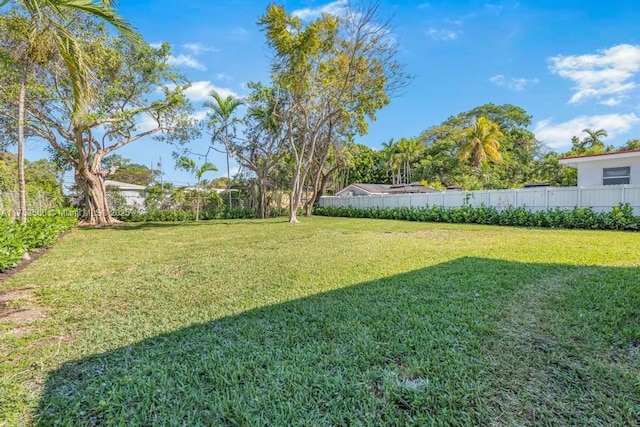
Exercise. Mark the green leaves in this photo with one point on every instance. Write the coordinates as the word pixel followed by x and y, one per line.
pixel 39 231
pixel 621 217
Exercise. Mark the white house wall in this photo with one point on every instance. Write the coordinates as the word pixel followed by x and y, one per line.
pixel 133 198
pixel 590 173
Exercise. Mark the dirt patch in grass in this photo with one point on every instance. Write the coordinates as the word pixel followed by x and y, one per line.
pixel 16 306
pixel 18 332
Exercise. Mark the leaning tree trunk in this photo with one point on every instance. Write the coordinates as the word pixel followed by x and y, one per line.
pixel 95 206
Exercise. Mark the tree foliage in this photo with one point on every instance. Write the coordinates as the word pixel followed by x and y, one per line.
pixel 141 95
pixel 333 74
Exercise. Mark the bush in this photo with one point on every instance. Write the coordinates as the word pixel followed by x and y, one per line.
pixel 621 217
pixel 173 215
pixel 39 231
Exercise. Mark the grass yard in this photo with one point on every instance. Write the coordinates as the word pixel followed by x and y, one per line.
pixel 331 322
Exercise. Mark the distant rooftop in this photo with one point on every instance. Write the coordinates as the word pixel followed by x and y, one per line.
pixel 592 157
pixel 123 185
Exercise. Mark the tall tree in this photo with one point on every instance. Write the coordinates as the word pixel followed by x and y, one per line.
pixel 56 16
pixel 392 160
pixel 23 46
pixel 410 150
pixel 480 142
pixel 34 35
pixel 125 74
pixel 264 144
pixel 222 122
pixel 335 69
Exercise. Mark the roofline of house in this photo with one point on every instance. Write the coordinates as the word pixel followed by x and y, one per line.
pixel 588 157
pixel 361 188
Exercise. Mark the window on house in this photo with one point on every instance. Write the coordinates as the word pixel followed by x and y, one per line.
pixel 615 176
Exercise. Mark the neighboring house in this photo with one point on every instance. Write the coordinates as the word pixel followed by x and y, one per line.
pixel 622 167
pixel 134 195
pixel 378 189
pixel 363 190
pixel 414 187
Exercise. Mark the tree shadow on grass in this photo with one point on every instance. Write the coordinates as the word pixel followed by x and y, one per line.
pixel 471 341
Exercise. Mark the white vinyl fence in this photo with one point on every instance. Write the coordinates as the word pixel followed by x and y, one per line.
pixel 534 199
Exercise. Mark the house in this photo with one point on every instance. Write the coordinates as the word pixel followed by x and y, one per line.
pixel 414 187
pixel 363 190
pixel 379 189
pixel 133 194
pixel 622 167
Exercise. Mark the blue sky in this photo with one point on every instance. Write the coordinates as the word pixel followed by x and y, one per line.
pixel 570 64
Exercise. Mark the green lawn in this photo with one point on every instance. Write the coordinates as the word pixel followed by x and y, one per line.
pixel 330 322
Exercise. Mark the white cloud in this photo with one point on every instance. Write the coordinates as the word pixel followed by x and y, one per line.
pixel 442 34
pixel 187 61
pixel 146 123
pixel 199 48
pixel 605 76
pixel 156 45
pixel 338 7
pixel 199 115
pixel 223 76
pixel 558 136
pixel 199 91
pixel 515 84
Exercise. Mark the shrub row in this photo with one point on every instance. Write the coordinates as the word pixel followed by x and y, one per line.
pixel 621 217
pixel 170 215
pixel 16 239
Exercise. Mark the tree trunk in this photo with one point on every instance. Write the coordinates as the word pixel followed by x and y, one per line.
pixel 228 180
pixel 197 205
pixel 294 203
pixel 293 214
pixel 296 195
pixel 262 189
pixel 22 190
pixel 96 208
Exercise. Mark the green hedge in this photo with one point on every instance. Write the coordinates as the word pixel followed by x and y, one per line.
pixel 39 231
pixel 169 215
pixel 621 217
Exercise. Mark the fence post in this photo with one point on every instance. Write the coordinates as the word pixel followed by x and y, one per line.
pixel 443 199
pixel 515 198
pixel 546 199
pixel 623 194
pixel 579 197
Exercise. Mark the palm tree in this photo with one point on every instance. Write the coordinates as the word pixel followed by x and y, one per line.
pixel 190 166
pixel 410 150
pixel 480 141
pixel 393 160
pixel 221 120
pixel 53 16
pixel 594 140
pixel 36 37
